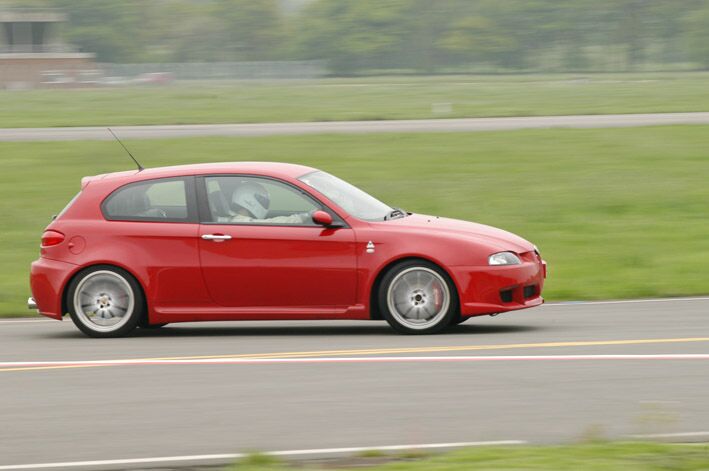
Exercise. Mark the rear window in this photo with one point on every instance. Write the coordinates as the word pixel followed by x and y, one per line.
pixel 162 200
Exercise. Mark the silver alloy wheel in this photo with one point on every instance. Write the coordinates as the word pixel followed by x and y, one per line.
pixel 418 298
pixel 104 301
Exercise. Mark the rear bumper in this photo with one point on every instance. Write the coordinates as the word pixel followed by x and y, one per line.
pixel 494 289
pixel 47 280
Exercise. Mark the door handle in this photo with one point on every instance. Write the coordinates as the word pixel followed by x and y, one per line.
pixel 216 237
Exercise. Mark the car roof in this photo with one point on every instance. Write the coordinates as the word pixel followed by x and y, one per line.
pixel 273 169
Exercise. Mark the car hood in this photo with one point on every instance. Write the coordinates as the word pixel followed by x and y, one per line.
pixel 496 238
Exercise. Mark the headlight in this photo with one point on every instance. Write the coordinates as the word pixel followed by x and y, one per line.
pixel 504 258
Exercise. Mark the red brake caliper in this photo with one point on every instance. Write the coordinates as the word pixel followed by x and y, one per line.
pixel 437 297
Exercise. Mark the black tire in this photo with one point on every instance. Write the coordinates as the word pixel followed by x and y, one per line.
pixel 440 320
pixel 144 325
pixel 459 320
pixel 127 322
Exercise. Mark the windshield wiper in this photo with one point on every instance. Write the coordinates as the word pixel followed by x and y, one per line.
pixel 395 213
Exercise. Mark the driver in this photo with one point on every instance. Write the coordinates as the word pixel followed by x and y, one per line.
pixel 250 202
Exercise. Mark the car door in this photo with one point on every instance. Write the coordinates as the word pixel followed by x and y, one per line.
pixel 153 227
pixel 276 258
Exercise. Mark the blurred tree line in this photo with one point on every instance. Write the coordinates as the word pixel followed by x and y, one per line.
pixel 410 35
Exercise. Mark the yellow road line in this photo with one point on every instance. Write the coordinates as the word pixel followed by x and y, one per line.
pixel 458 348
pixel 384 351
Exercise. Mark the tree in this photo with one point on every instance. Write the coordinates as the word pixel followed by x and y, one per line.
pixel 353 34
pixel 251 30
pixel 422 35
pixel 697 37
pixel 477 38
pixel 115 31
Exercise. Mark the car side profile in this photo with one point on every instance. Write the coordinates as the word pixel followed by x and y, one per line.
pixel 268 241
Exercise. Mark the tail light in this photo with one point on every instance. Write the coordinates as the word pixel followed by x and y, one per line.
pixel 52 238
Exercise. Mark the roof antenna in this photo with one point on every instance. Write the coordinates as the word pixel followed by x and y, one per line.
pixel 140 167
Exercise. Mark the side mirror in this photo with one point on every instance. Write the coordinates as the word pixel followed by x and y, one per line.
pixel 322 218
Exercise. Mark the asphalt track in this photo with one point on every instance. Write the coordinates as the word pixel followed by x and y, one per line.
pixel 204 392
pixel 352 127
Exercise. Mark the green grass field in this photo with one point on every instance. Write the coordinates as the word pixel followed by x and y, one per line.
pixel 618 213
pixel 584 457
pixel 358 99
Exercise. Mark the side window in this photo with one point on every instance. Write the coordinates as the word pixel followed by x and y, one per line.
pixel 253 200
pixel 161 200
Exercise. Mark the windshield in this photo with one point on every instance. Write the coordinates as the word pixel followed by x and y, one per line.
pixel 350 198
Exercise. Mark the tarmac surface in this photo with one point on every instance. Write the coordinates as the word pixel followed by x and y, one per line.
pixel 352 127
pixel 202 393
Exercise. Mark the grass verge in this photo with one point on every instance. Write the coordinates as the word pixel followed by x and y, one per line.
pixel 595 457
pixel 617 213
pixel 358 99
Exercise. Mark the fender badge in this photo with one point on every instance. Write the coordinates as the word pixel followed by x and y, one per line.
pixel 370 247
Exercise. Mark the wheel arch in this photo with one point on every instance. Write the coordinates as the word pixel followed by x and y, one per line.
pixel 374 312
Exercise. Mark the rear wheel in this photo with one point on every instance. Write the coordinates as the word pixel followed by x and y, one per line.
pixel 105 301
pixel 417 297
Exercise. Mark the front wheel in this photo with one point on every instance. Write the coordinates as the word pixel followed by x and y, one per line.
pixel 418 297
pixel 105 301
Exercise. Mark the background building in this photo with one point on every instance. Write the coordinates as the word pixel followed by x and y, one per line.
pixel 32 51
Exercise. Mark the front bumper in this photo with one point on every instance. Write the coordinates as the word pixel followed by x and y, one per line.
pixel 495 289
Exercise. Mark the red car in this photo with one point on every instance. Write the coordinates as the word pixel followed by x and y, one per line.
pixel 257 241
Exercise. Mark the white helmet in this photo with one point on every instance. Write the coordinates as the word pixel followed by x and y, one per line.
pixel 253 197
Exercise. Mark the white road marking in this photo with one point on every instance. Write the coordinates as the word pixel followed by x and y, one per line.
pixel 232 456
pixel 380 359
pixel 671 435
pixel 25 321
pixel 626 301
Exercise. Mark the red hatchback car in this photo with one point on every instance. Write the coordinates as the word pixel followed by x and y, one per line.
pixel 257 241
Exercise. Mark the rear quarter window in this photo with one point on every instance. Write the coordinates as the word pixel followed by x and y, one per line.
pixel 160 200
